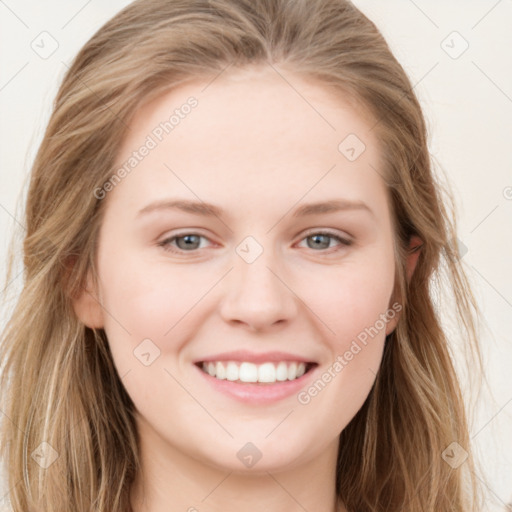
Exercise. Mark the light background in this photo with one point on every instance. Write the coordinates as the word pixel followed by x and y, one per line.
pixel 467 100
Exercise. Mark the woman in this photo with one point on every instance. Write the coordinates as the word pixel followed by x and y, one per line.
pixel 261 368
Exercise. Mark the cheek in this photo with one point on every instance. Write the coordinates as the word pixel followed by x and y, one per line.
pixel 151 301
pixel 352 307
pixel 152 313
pixel 350 298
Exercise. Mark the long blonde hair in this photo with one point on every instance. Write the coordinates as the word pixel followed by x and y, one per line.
pixel 61 395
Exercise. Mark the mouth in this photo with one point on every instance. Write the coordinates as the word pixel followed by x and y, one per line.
pixel 267 373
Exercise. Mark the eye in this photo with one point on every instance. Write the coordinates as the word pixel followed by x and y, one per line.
pixel 321 240
pixel 189 242
pixel 186 242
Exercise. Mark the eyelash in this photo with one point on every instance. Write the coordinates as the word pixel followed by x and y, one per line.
pixel 166 244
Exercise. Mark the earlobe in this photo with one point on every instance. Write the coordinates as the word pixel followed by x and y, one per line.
pixel 87 306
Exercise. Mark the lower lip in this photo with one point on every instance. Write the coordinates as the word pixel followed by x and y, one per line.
pixel 256 393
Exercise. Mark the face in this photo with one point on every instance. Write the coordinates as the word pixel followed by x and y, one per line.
pixel 254 233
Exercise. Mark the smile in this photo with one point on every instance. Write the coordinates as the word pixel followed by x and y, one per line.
pixel 268 373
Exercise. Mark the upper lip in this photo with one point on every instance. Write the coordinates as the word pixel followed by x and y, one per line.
pixel 253 357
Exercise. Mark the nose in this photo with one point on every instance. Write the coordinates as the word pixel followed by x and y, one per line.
pixel 257 295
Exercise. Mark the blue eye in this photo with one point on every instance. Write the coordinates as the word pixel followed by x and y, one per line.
pixel 189 242
pixel 322 240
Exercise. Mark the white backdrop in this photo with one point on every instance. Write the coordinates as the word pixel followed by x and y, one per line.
pixel 458 54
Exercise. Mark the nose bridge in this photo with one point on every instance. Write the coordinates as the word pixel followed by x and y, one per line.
pixel 255 295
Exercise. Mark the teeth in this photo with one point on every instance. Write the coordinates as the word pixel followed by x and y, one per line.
pixel 267 373
pixel 221 371
pixel 231 371
pixel 250 372
pixel 292 371
pixel 282 372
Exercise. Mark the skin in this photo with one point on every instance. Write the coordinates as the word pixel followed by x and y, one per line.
pixel 257 149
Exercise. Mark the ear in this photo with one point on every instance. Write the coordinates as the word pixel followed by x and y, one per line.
pixel 415 245
pixel 87 305
pixel 413 250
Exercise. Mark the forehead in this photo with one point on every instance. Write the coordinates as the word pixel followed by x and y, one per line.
pixel 256 106
pixel 252 132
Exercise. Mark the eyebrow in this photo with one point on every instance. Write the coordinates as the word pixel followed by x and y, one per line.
pixel 208 209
